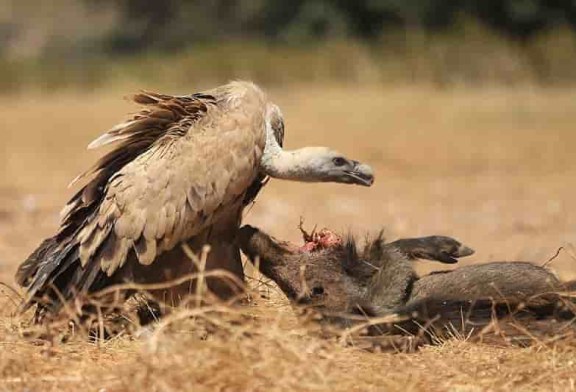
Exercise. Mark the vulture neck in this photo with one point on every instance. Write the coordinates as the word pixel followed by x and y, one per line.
pixel 296 165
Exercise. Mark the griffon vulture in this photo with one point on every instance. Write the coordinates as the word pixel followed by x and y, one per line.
pixel 182 170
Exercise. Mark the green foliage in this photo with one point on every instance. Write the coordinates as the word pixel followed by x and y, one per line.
pixel 134 26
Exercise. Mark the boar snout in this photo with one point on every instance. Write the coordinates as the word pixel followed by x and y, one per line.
pixel 259 245
pixel 245 240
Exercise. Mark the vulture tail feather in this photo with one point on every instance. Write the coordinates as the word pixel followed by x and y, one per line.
pixel 38 273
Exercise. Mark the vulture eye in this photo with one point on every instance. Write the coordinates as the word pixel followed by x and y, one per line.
pixel 318 290
pixel 339 161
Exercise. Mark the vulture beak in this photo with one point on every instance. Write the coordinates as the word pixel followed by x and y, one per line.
pixel 361 174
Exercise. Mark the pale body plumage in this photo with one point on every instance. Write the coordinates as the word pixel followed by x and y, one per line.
pixel 150 201
pixel 184 169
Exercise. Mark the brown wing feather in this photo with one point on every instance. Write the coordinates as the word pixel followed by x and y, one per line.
pixel 180 163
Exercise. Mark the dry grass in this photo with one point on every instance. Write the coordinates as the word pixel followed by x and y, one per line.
pixel 492 167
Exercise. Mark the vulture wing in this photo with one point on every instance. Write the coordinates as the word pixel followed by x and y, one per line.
pixel 181 162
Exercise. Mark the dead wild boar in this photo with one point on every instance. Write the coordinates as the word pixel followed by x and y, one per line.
pixel 379 279
pixel 338 277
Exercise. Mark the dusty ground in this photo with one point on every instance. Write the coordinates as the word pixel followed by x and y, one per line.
pixel 493 168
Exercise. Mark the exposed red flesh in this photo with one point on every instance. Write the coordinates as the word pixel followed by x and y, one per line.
pixel 317 241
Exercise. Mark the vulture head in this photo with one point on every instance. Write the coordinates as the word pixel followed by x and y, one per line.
pixel 322 164
pixel 308 164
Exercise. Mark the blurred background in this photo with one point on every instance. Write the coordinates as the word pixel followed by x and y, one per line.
pixel 466 108
pixel 93 43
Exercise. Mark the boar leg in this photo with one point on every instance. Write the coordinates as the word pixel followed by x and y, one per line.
pixel 392 285
pixel 435 248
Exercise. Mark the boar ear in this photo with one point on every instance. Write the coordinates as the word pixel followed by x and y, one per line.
pixel 353 264
pixel 375 249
